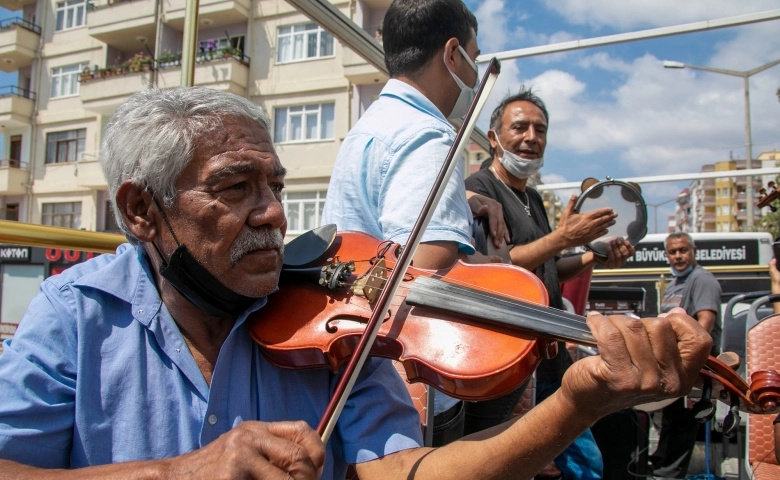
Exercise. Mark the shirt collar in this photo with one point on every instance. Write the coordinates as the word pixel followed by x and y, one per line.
pixel 130 268
pixel 407 93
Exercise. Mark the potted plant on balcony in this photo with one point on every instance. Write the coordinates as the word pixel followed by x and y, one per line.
pixel 86 74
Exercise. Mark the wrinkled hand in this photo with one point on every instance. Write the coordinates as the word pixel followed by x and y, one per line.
pixel 639 361
pixel 581 229
pixel 253 450
pixel 481 206
pixel 620 250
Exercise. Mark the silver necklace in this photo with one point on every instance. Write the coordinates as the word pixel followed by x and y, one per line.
pixel 526 205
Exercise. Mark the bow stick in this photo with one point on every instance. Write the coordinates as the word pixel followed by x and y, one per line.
pixel 358 359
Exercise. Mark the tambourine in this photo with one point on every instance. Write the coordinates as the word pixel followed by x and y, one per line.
pixel 622 197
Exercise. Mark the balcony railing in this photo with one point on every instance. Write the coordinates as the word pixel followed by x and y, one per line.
pixel 11 22
pixel 16 107
pixel 13 163
pixel 19 42
pixel 9 90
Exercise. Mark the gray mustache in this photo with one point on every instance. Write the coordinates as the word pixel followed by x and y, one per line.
pixel 252 239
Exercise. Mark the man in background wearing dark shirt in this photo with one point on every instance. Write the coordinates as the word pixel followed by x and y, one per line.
pixel 518 137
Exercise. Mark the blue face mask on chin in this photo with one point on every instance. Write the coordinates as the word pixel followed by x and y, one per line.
pixel 683 273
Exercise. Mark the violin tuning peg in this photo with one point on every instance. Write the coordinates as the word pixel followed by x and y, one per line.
pixel 704 409
pixel 731 422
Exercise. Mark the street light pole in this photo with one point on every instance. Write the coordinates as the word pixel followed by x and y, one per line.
pixel 748 137
pixel 655 211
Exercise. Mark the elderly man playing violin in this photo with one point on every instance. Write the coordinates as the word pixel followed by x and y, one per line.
pixel 139 364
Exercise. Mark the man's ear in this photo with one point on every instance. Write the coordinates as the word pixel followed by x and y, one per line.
pixel 136 205
pixel 491 135
pixel 451 54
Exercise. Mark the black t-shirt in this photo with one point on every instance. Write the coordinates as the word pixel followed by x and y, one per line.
pixel 524 230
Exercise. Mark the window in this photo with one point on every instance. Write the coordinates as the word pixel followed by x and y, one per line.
pixel 303 123
pixel 303 210
pixel 12 212
pixel 65 80
pixel 71 14
pixel 15 151
pixel 62 214
pixel 65 146
pixel 109 223
pixel 302 42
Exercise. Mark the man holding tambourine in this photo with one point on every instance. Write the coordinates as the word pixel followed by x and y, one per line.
pixel 518 136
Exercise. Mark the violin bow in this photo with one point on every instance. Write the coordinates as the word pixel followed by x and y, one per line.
pixel 358 359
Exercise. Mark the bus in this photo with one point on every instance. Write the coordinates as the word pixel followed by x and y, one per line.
pixel 738 260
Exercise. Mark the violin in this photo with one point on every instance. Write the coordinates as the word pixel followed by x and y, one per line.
pixel 474 332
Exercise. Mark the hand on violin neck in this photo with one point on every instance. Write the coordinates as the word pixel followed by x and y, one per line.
pixel 639 361
pixel 576 230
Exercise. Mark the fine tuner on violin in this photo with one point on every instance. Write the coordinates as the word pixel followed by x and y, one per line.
pixel 473 331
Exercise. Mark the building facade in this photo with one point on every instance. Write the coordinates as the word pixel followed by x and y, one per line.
pixel 720 205
pixel 77 60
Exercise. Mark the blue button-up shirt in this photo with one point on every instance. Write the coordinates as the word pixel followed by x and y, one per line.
pixel 99 373
pixel 386 167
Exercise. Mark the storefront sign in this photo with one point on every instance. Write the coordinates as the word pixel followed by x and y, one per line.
pixel 708 252
pixel 13 254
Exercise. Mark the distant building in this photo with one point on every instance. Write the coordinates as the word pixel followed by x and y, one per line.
pixel 720 205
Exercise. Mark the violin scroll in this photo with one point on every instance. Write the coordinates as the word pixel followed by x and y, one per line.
pixel 765 389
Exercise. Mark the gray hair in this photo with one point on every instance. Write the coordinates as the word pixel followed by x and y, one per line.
pixel 151 138
pixel 675 235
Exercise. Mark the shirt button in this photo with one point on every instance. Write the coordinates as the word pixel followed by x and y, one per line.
pixel 212 419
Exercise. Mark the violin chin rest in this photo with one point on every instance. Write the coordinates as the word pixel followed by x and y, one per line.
pixel 309 246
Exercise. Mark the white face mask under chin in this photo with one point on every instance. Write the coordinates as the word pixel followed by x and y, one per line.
pixel 517 166
pixel 466 94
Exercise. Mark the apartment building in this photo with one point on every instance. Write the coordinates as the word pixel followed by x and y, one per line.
pixel 77 60
pixel 720 205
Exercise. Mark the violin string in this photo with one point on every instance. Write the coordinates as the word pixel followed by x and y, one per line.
pixel 511 302
pixel 569 320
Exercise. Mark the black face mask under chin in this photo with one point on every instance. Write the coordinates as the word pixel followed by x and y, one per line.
pixel 198 285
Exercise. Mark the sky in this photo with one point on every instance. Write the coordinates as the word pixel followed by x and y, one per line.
pixel 615 111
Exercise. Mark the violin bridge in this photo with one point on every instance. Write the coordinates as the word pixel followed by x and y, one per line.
pixel 370 284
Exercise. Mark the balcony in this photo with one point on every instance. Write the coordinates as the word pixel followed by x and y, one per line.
pixel 16 4
pixel 211 13
pixel 125 25
pixel 709 218
pixel 229 74
pixel 16 106
pixel 708 200
pixel 13 177
pixel 19 40
pixel 360 72
pixel 90 175
pixel 103 95
pixel 742 182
